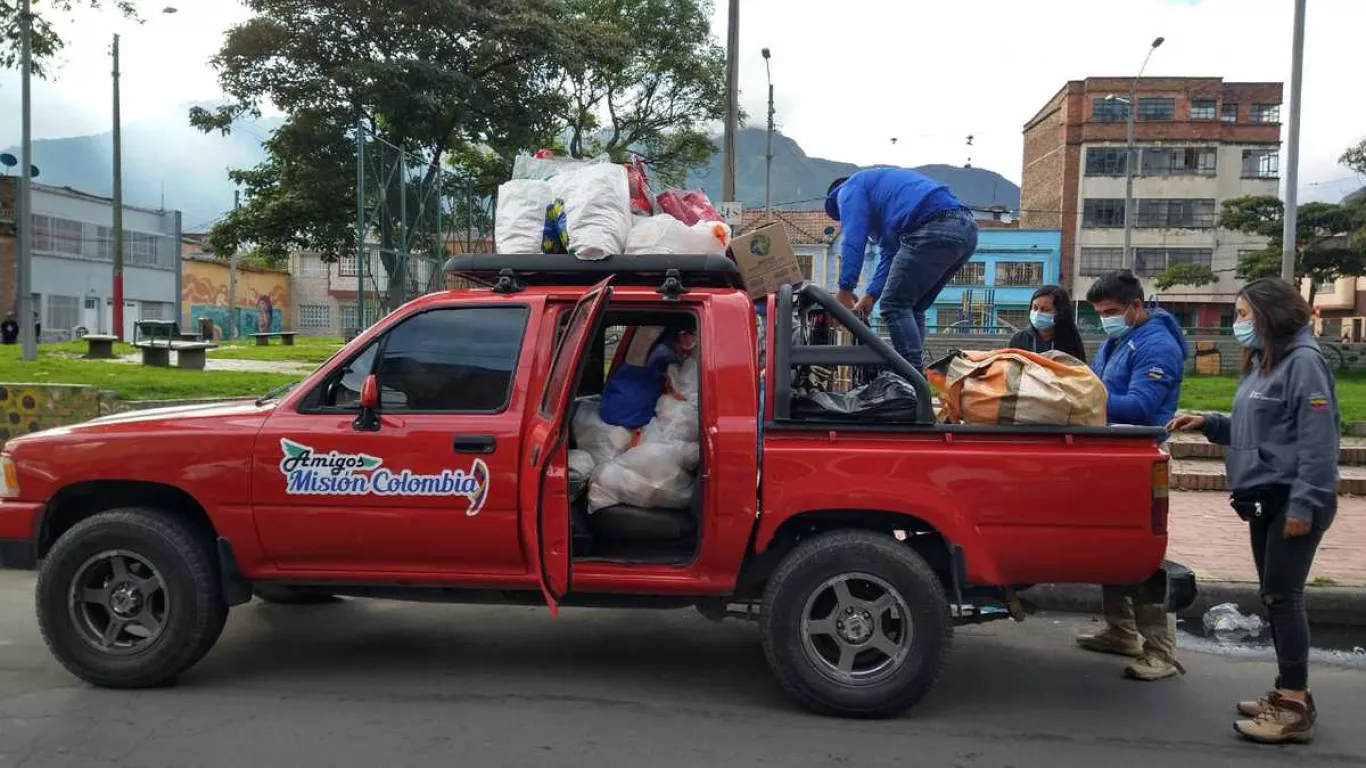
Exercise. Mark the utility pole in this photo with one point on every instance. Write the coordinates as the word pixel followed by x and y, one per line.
pixel 232 276
pixel 1130 161
pixel 732 102
pixel 1292 157
pixel 768 149
pixel 28 334
pixel 118 201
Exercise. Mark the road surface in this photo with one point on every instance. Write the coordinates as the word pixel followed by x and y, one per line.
pixel 364 683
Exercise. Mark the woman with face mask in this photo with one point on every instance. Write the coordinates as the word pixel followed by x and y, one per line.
pixel 1052 325
pixel 1282 464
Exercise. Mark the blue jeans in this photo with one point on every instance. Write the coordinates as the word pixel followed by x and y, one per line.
pixel 928 258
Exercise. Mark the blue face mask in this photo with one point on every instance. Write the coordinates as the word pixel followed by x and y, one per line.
pixel 1041 320
pixel 1245 331
pixel 1114 326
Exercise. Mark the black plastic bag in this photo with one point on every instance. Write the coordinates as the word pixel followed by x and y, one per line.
pixel 888 397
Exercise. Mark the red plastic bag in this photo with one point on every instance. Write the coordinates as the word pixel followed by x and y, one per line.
pixel 671 201
pixel 642 197
pixel 543 153
pixel 701 206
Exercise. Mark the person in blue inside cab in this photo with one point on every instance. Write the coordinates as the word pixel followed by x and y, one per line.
pixel 1141 364
pixel 629 397
pixel 925 235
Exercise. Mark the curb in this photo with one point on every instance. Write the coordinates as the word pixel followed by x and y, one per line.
pixel 1209 481
pixel 1353 455
pixel 1333 606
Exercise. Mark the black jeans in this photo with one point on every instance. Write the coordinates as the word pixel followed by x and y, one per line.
pixel 1282 568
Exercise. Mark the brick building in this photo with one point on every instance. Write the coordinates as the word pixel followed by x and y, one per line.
pixel 1198 142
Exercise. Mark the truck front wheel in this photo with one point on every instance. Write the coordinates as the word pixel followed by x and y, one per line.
pixel 130 598
pixel 855 624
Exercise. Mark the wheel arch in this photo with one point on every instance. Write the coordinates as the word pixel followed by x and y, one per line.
pixel 80 501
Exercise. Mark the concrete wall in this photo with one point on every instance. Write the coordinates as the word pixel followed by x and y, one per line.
pixel 26 408
pixel 263 297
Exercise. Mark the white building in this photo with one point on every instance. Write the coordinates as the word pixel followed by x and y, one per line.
pixel 73 262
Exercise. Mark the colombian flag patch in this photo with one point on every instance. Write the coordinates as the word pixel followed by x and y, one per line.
pixel 1318 403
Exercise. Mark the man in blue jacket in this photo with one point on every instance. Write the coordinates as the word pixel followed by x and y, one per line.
pixel 925 235
pixel 1141 365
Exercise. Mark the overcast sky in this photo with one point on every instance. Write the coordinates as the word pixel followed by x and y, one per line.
pixel 848 75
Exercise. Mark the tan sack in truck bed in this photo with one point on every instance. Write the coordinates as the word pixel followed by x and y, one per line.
pixel 1013 386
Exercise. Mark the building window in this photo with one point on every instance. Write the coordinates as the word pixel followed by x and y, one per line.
pixel 316 315
pixel 1179 161
pixel 1202 109
pixel 1109 110
pixel 1105 161
pixel 346 265
pixel 1102 213
pixel 156 310
pixel 1175 213
pixel 1266 113
pixel 1099 261
pixel 971 273
pixel 1157 109
pixel 1019 274
pixel 63 312
pixel 1261 164
pixel 473 351
pixel 310 265
pixel 1228 113
pixel 140 248
pixel 56 235
pixel 1325 286
pixel 1151 262
pixel 1011 320
pixel 346 315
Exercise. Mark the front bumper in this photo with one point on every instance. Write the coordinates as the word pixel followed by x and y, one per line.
pixel 18 553
pixel 1173 585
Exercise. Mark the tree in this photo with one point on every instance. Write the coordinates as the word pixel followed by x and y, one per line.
pixel 1194 275
pixel 643 76
pixel 1328 241
pixel 435 78
pixel 45 42
pixel 1355 157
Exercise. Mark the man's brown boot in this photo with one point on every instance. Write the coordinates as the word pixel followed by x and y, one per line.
pixel 1283 721
pixel 1109 640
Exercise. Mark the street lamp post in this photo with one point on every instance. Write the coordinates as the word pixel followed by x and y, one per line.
pixel 1129 160
pixel 28 333
pixel 732 102
pixel 1290 232
pixel 117 234
pixel 768 149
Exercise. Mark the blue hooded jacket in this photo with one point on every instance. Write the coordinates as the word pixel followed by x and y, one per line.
pixel 882 203
pixel 1142 371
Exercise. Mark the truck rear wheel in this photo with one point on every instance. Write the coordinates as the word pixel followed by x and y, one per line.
pixel 130 599
pixel 855 624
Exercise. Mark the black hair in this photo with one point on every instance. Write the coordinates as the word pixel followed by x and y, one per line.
pixel 1066 337
pixel 1120 286
pixel 1279 313
pixel 834 185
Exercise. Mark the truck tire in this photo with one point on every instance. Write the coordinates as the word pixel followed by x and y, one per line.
pixel 130 598
pixel 284 594
pixel 855 624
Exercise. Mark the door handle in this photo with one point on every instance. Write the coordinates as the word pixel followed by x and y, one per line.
pixel 475 444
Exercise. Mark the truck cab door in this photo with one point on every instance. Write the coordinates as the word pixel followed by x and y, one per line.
pixel 545 484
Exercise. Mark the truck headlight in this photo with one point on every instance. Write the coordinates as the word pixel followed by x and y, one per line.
pixel 9 478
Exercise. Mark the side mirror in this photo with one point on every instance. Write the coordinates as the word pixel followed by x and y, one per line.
pixel 368 419
pixel 369 393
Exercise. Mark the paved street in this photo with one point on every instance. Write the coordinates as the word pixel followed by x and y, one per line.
pixel 371 683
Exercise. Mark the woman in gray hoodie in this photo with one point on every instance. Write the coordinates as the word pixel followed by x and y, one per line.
pixel 1282 462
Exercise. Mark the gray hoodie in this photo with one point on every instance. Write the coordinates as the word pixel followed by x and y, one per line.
pixel 1285 430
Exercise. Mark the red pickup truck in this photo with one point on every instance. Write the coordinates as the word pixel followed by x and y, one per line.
pixel 428 460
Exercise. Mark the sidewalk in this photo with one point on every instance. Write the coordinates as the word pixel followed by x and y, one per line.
pixel 1206 535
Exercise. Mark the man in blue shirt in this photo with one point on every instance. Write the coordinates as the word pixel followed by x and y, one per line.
pixel 925 235
pixel 1141 364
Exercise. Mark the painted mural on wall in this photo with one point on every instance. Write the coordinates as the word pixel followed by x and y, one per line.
pixel 26 408
pixel 262 298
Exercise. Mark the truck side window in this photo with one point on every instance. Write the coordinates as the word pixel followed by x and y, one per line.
pixel 342 390
pixel 453 360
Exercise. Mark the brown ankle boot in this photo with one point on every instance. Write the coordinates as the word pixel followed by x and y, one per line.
pixel 1254 708
pixel 1283 720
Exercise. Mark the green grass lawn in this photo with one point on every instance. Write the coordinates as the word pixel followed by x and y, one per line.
pixel 306 349
pixel 1215 393
pixel 61 364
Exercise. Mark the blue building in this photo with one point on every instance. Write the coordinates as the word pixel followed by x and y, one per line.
pixel 991 293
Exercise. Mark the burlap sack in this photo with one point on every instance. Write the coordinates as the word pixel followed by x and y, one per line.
pixel 1013 386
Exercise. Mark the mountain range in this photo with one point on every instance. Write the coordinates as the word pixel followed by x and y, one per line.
pixel 169 164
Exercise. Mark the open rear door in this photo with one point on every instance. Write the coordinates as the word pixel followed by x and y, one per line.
pixel 545 494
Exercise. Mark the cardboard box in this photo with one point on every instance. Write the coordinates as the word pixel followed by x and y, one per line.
pixel 766 260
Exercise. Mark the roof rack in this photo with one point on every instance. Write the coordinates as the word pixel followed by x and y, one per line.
pixel 694 271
